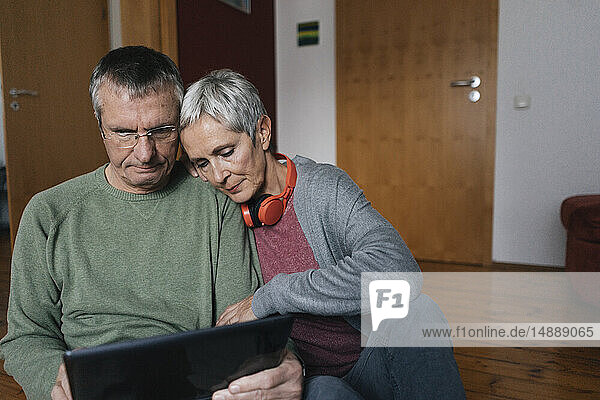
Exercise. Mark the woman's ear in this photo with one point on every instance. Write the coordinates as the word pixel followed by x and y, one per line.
pixel 202 176
pixel 263 137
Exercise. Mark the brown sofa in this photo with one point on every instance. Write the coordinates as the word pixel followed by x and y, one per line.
pixel 581 217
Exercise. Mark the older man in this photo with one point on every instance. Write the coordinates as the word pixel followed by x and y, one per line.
pixel 136 248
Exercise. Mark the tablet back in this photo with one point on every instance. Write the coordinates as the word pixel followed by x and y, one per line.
pixel 187 365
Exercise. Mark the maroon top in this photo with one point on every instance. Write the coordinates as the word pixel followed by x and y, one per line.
pixel 328 345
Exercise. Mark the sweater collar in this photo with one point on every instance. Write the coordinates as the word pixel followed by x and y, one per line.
pixel 178 174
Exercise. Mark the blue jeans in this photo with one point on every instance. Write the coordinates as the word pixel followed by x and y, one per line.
pixel 386 373
pixel 390 372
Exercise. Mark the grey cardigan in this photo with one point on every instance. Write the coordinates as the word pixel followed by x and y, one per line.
pixel 347 237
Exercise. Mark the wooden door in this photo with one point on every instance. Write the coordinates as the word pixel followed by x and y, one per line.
pixel 50 47
pixel 150 23
pixel 423 153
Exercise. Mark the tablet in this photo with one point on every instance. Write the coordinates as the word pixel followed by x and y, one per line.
pixel 187 365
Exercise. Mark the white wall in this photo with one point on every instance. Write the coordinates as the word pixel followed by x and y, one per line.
pixel 305 79
pixel 114 23
pixel 548 50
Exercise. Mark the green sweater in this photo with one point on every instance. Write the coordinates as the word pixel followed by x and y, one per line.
pixel 93 264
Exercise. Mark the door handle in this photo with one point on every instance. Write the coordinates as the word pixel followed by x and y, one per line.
pixel 474 82
pixel 22 92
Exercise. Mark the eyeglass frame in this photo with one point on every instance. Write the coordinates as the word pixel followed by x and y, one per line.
pixel 148 134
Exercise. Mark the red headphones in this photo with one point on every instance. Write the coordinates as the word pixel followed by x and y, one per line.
pixel 268 209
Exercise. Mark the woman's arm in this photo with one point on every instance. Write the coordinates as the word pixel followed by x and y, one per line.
pixel 348 237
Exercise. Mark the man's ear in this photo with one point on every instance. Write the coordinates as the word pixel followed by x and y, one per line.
pixel 99 123
pixel 263 136
pixel 96 116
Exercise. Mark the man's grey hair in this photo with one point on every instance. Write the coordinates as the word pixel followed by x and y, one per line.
pixel 139 71
pixel 226 96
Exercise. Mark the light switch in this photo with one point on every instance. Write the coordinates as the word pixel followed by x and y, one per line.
pixel 522 102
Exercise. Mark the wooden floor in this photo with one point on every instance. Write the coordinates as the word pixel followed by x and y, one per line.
pixel 524 373
pixel 487 373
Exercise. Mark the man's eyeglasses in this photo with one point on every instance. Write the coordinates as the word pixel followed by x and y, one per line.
pixel 161 134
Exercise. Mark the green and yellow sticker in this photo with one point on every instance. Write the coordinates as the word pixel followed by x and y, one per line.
pixel 308 33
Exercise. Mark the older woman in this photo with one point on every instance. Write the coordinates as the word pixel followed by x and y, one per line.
pixel 315 233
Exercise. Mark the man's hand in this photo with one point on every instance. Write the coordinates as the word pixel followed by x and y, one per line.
pixel 281 383
pixel 238 312
pixel 61 389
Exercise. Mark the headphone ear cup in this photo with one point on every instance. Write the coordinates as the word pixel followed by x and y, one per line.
pixel 246 215
pixel 267 209
pixel 270 211
pixel 254 209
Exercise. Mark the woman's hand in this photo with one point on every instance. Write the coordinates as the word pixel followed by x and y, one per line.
pixel 238 312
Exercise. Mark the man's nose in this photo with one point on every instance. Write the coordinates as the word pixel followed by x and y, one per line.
pixel 144 149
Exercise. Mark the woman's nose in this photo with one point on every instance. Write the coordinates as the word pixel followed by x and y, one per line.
pixel 220 173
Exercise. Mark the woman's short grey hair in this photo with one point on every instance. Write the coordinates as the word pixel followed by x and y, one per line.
pixel 226 96
pixel 139 71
